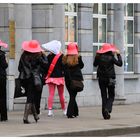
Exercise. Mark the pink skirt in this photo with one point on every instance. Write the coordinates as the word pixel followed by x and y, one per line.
pixel 57 81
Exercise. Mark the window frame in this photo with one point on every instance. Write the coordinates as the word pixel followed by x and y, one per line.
pixel 126 45
pixel 72 14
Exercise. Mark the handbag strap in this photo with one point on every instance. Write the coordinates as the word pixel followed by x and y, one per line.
pixel 52 65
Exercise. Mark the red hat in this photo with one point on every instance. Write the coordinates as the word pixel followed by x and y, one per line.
pixel 72 49
pixel 32 46
pixel 3 44
pixel 106 48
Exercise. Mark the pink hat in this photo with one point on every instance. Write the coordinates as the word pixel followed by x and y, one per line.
pixel 32 46
pixel 106 48
pixel 3 44
pixel 72 49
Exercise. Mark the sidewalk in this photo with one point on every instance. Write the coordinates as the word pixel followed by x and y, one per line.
pixel 125 119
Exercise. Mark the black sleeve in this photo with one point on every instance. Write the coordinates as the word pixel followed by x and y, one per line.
pixel 3 62
pixel 81 64
pixel 95 63
pixel 119 61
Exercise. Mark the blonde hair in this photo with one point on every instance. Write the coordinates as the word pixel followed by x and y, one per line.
pixel 71 60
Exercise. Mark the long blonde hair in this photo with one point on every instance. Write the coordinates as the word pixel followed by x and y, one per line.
pixel 71 60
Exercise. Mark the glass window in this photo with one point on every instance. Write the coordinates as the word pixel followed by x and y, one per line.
pixel 71 22
pixel 130 32
pixel 128 59
pixel 95 29
pixel 129 37
pixel 102 30
pixel 66 28
pixel 95 8
pixel 99 26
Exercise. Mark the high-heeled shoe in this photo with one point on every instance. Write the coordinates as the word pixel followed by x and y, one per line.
pixel 26 122
pixel 70 117
pixel 36 118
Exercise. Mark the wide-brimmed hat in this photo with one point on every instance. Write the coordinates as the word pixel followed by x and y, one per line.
pixel 32 46
pixel 2 44
pixel 72 49
pixel 53 46
pixel 106 48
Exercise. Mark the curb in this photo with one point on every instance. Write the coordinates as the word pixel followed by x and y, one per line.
pixel 94 133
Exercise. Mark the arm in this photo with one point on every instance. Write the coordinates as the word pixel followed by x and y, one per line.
pixel 4 64
pixel 95 63
pixel 119 61
pixel 81 64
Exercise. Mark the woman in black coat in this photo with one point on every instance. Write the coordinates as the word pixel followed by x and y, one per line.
pixel 3 74
pixel 72 68
pixel 105 60
pixel 29 65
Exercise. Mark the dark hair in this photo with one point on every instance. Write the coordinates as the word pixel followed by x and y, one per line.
pixel 31 56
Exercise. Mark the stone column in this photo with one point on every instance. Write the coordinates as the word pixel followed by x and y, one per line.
pixel 119 42
pixel 22 15
pixel 85 35
pixel 137 39
pixel 110 25
pixel 58 22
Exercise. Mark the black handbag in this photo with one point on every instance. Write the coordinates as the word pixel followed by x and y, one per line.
pixel 76 85
pixel 19 89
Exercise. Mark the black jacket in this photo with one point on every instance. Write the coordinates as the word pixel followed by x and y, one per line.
pixel 28 66
pixel 74 72
pixel 105 63
pixel 58 69
pixel 3 65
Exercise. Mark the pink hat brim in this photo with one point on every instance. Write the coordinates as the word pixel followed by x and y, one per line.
pixel 3 44
pixel 104 51
pixel 25 47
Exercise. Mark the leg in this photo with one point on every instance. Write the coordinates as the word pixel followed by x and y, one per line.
pixel 3 100
pixel 38 100
pixel 61 95
pixel 50 98
pixel 27 112
pixel 34 112
pixel 51 95
pixel 71 104
pixel 76 110
pixel 111 96
pixel 103 84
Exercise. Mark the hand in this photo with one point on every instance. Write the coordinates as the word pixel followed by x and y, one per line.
pixel 117 51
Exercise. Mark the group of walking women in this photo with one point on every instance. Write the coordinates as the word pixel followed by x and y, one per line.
pixel 57 70
pixel 53 70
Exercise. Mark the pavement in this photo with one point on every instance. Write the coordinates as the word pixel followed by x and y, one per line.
pixel 125 119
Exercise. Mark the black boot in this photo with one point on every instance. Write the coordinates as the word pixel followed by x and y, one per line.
pixel 36 118
pixel 26 113
pixel 106 114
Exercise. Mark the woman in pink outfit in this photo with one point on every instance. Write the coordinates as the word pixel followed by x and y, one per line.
pixel 56 78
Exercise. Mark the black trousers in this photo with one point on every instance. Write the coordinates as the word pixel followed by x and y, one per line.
pixel 3 102
pixel 38 100
pixel 72 109
pixel 107 94
pixel 33 94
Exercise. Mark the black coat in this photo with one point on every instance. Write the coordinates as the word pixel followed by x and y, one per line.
pixel 3 65
pixel 28 66
pixel 58 69
pixel 105 63
pixel 74 72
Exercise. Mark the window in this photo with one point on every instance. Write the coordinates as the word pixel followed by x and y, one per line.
pixel 99 26
pixel 129 37
pixel 71 22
